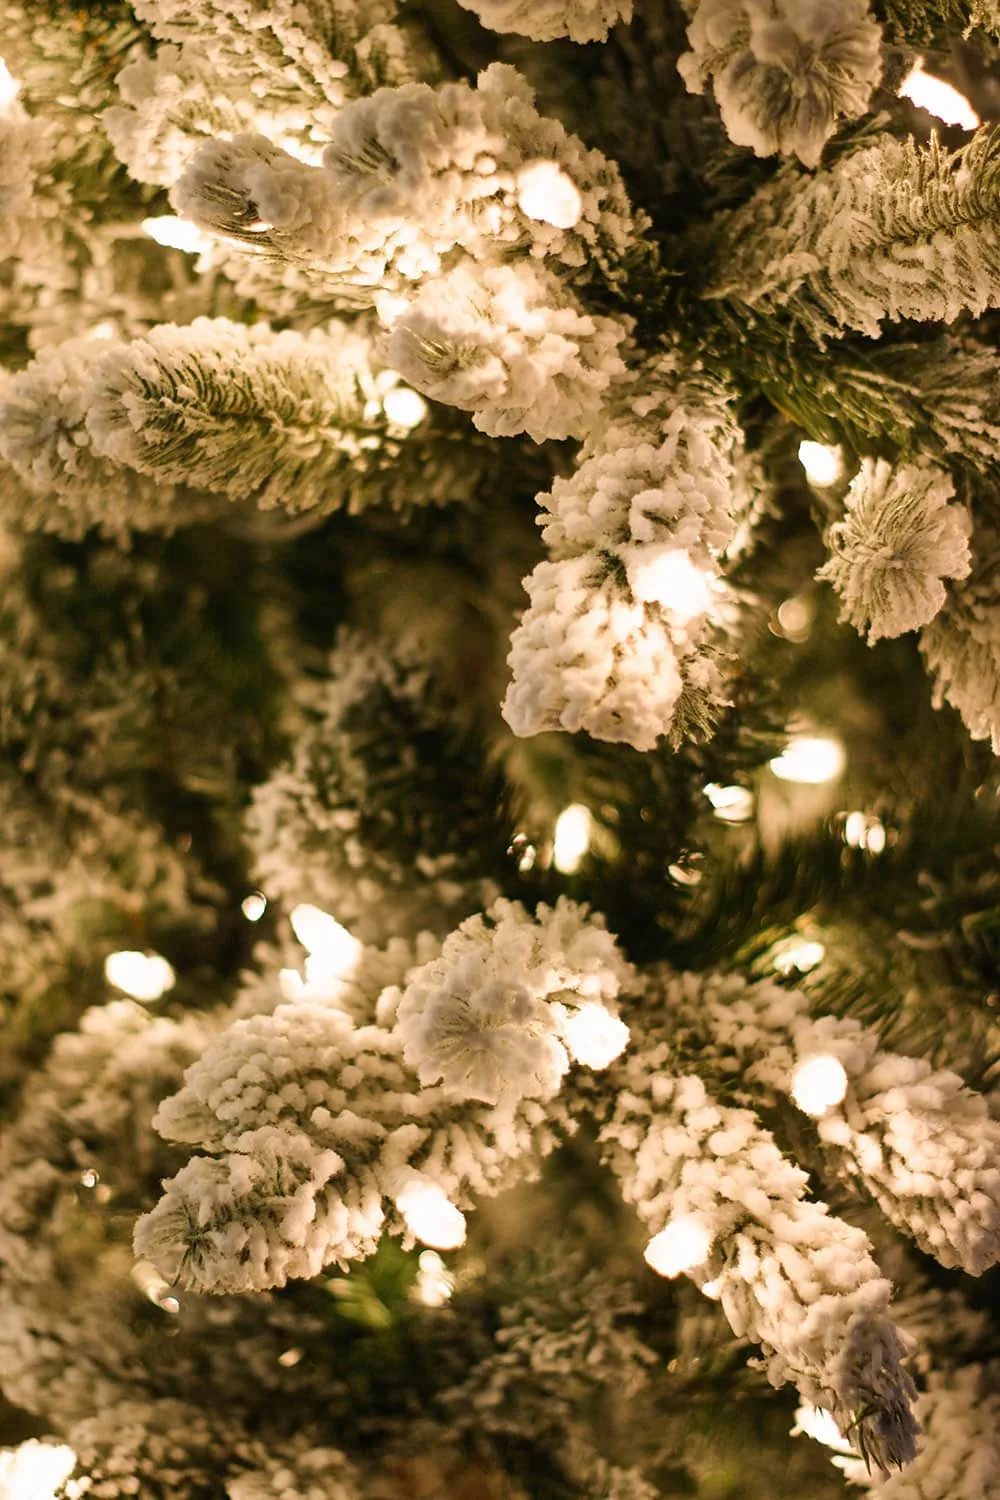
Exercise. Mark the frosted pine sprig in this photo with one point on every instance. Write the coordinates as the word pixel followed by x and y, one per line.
pixel 712 1186
pixel 922 1143
pixel 900 538
pixel 545 20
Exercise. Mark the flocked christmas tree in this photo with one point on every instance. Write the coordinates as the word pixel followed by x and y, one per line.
pixel 499 692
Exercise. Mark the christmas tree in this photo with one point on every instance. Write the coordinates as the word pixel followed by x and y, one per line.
pixel 500 696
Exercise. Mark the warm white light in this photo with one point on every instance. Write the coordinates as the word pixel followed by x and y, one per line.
pixel 34 1470
pixel 712 1289
pixel 572 837
pixel 290 1358
pixel 810 759
pixel 545 192
pixel 823 464
pixel 435 1283
pixel 681 1246
pixel 733 804
pixel 335 951
pixel 254 906
pixel 938 98
pixel 818 1084
pixel 594 1036
pixel 144 976
pixel 798 955
pixel 404 406
pixel 431 1217
pixel 795 618
pixel 864 832
pixel 816 1422
pixel 667 576
pixel 176 234
pixel 9 87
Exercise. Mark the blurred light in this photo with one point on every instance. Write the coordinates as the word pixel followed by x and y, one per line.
pixel 685 874
pixel 152 1285
pixel 681 1246
pixel 90 1178
pixel 389 307
pixel 9 87
pixel 862 831
pixel 404 407
pixel 817 1423
pixel 670 578
pixel 431 1217
pixel 572 837
pixel 254 906
pixel 810 759
pixel 144 976
pixel 733 804
pixel 823 464
pixel 795 618
pixel 818 1084
pixel 35 1470
pixel 435 1283
pixel 712 1289
pixel 527 859
pixel 103 330
pixel 937 97
pixel 798 955
pixel 594 1036
pixel 545 192
pixel 176 234
pixel 290 1358
pixel 336 951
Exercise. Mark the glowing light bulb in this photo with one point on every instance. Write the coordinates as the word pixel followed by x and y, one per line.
pixel 594 1036
pixel 430 1215
pixel 545 192
pixel 34 1470
pixel 818 1084
pixel 795 618
pixel 823 464
pixel 290 1358
pixel 144 976
pixel 176 234
pixel 864 832
pixel 435 1283
pixel 336 951
pixel 404 406
pixel 254 906
pixel 572 837
pixel 815 1422
pixel 712 1289
pixel 733 804
pixel 9 86
pixel 937 97
pixel 667 576
pixel 798 955
pixel 810 759
pixel 681 1246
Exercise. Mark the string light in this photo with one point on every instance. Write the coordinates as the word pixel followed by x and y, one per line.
pixel 818 1085
pixel 152 1285
pixel 9 87
pixel 290 1358
pixel 712 1289
pixel 671 579
pixel 434 1283
pixel 810 759
pixel 572 838
pixel 795 618
pixel 176 234
pixel 335 950
pixel 144 976
pixel 937 97
pixel 254 906
pixel 430 1215
pixel 798 955
pixel 815 1422
pixel 823 464
pixel 34 1470
pixel 864 832
pixel 594 1036
pixel 546 193
pixel 682 1245
pixel 733 804
pixel 404 406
